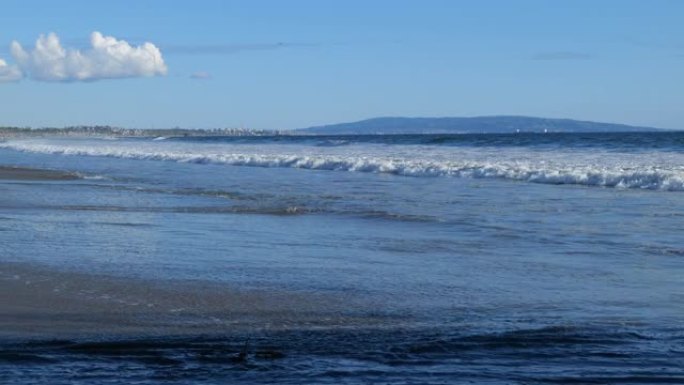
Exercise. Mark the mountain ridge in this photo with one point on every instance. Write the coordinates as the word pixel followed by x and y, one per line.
pixel 464 125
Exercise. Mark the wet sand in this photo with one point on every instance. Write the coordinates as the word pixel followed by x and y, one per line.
pixel 22 173
pixel 36 302
pixel 42 302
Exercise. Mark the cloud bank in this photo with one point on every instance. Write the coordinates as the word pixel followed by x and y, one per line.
pixel 107 58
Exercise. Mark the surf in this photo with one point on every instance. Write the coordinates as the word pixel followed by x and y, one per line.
pixel 660 170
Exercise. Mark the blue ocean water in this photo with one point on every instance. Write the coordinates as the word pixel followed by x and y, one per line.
pixel 521 258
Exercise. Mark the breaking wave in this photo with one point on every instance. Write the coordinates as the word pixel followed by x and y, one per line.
pixel 564 169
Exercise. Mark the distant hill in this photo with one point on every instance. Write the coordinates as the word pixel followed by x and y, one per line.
pixel 483 124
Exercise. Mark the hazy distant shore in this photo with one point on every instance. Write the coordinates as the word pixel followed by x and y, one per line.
pixel 373 126
pixel 109 131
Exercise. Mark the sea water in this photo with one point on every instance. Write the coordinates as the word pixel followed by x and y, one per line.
pixel 521 258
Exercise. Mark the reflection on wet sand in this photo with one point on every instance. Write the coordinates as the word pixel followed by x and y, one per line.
pixel 22 173
pixel 37 302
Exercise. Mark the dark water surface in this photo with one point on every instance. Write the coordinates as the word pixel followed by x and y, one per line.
pixel 553 355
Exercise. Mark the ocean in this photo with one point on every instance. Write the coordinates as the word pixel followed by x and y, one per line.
pixel 428 259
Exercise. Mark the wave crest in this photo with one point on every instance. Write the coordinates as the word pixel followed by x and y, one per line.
pixel 527 170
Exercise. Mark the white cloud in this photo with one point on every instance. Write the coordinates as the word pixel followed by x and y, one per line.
pixel 9 73
pixel 107 58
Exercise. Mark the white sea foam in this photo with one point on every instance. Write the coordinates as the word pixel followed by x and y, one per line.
pixel 582 167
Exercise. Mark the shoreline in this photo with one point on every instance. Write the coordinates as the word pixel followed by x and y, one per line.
pixel 42 302
pixel 38 302
pixel 26 173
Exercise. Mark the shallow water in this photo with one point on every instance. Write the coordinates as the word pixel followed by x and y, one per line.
pixel 486 258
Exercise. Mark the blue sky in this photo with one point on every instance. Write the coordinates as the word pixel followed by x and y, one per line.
pixel 289 64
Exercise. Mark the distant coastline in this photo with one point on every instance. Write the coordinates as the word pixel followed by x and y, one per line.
pixel 109 131
pixel 373 126
pixel 471 125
